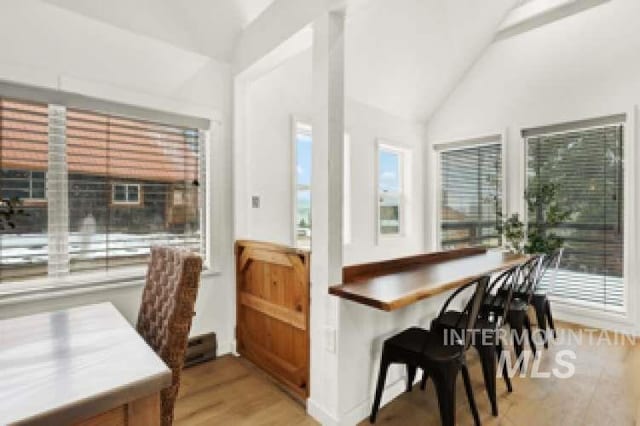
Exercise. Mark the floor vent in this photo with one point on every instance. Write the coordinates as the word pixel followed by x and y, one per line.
pixel 201 349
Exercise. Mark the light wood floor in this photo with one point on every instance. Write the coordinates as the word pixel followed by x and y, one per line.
pixel 604 391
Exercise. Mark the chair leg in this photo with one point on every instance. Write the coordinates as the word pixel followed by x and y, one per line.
pixel 469 389
pixel 444 377
pixel 516 322
pixel 411 376
pixel 542 320
pixel 488 362
pixel 425 377
pixel 505 373
pixel 550 318
pixel 382 377
pixel 527 324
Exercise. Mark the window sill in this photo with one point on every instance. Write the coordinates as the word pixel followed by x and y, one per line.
pixel 51 287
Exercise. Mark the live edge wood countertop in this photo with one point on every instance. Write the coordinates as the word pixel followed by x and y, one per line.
pixel 65 367
pixel 396 283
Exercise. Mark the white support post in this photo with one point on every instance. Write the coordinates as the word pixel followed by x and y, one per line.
pixel 58 194
pixel 326 211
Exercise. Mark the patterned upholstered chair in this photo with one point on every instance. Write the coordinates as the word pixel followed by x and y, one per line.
pixel 166 312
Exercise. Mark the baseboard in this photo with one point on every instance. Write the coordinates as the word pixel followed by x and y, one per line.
pixel 361 411
pixel 320 415
pixel 589 318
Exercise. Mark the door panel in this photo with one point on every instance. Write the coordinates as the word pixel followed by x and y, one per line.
pixel 273 311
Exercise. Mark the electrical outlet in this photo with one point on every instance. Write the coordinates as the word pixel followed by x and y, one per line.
pixel 255 201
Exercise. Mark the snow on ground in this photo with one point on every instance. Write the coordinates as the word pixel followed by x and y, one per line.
pixel 20 249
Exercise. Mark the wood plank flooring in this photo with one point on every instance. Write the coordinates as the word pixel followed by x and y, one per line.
pixel 605 390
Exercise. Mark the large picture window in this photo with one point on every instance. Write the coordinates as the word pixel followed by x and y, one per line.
pixel 112 187
pixel 470 196
pixel 586 165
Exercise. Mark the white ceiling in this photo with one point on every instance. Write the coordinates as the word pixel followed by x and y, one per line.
pixel 209 27
pixel 405 56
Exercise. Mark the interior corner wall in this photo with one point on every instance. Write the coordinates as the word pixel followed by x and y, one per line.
pixel 271 101
pixel 583 66
pixel 51 47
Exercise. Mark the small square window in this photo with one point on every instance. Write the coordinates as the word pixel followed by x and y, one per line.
pixel 126 193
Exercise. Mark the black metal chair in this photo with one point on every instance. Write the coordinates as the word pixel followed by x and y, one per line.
pixel 539 299
pixel 488 344
pixel 438 356
pixel 518 314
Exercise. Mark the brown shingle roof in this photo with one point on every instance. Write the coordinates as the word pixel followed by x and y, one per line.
pixel 98 145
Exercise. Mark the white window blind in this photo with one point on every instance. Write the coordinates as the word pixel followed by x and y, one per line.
pixel 24 140
pixel 587 167
pixel 115 187
pixel 471 196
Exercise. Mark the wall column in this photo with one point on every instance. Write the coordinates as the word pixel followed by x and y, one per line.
pixel 326 211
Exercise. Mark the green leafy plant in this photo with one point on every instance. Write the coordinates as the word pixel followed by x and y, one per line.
pixel 513 230
pixel 545 215
pixel 10 208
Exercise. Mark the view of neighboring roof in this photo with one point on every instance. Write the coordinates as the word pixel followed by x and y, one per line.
pixel 98 144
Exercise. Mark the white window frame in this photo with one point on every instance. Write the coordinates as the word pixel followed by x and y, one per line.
pixel 126 186
pixel 471 142
pixel 404 171
pixel 579 311
pixel 31 197
pixel 346 202
pixel 53 286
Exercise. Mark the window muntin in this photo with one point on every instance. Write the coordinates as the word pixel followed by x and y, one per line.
pixel 126 193
pixel 587 165
pixel 390 191
pixel 470 196
pixel 117 176
pixel 302 193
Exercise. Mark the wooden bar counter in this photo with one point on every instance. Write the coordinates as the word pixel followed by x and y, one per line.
pixel 396 283
pixel 80 366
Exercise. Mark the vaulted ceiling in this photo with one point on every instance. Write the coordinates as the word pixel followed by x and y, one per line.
pixel 402 56
pixel 406 56
pixel 209 27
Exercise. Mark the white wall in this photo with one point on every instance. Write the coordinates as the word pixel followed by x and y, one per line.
pixel 51 47
pixel 271 101
pixel 579 67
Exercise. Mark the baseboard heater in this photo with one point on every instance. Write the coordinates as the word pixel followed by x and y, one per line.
pixel 201 349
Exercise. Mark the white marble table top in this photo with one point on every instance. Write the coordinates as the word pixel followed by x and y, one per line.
pixel 61 367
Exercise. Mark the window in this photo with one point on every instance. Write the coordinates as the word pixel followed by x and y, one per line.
pixel 115 186
pixel 26 185
pixel 302 193
pixel 125 193
pixel 586 164
pixel 390 190
pixel 470 196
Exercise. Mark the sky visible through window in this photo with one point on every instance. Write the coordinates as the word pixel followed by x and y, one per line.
pixel 389 171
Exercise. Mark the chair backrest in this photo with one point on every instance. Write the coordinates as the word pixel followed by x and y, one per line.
pixel 166 312
pixel 529 277
pixel 500 292
pixel 552 262
pixel 472 309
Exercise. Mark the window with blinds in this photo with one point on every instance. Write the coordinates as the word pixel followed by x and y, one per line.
pixel 587 166
pixel 471 196
pixel 115 186
pixel 24 141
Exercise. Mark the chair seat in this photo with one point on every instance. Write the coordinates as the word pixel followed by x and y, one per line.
pixel 518 305
pixel 412 339
pixel 451 319
pixel 436 349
